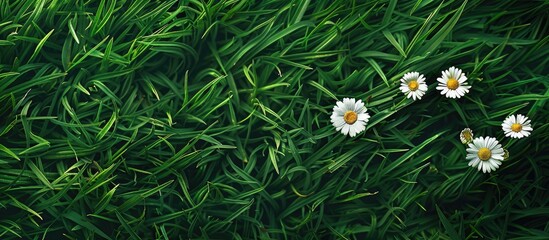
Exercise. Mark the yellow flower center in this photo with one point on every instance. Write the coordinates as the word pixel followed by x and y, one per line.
pixel 484 154
pixel 467 135
pixel 350 117
pixel 452 84
pixel 413 85
pixel 516 127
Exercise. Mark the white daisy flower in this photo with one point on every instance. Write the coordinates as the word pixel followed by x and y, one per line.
pixel 350 116
pixel 453 83
pixel 466 136
pixel 485 153
pixel 517 127
pixel 413 85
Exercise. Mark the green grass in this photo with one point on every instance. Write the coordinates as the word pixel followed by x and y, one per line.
pixel 136 119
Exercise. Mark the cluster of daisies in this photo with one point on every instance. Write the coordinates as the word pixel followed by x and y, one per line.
pixel 453 84
pixel 350 116
pixel 485 153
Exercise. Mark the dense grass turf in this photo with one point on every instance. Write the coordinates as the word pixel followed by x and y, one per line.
pixel 194 119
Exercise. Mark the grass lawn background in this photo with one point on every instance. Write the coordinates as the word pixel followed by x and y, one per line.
pixel 211 119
